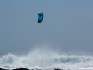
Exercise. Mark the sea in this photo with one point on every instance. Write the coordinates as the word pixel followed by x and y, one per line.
pixel 45 60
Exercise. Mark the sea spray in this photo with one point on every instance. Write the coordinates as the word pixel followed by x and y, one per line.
pixel 45 60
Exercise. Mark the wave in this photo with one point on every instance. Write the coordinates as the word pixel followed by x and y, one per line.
pixel 46 60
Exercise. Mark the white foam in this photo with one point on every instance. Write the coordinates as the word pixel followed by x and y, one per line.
pixel 46 60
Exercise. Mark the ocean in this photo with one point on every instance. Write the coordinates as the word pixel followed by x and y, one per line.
pixel 46 61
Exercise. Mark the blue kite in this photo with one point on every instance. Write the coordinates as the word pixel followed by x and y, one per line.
pixel 40 17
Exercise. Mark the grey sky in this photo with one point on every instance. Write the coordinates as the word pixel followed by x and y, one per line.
pixel 68 23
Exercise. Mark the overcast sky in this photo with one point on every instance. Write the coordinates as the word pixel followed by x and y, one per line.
pixel 67 24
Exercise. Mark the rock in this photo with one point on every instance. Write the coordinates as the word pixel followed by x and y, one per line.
pixel 3 69
pixel 21 69
pixel 57 69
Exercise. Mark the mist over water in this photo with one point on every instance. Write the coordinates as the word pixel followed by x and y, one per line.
pixel 46 58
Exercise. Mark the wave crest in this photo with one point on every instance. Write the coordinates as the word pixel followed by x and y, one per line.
pixel 43 59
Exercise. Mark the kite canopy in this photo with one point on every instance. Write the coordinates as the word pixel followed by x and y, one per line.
pixel 40 17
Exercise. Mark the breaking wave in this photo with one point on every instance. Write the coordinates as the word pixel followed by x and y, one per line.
pixel 46 60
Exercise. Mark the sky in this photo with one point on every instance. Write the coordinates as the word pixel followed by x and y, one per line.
pixel 67 25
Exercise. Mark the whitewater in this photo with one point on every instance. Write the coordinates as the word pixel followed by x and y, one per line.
pixel 46 60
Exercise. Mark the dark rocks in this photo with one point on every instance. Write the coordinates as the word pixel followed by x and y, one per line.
pixel 3 69
pixel 15 69
pixel 21 69
pixel 29 69
pixel 58 69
